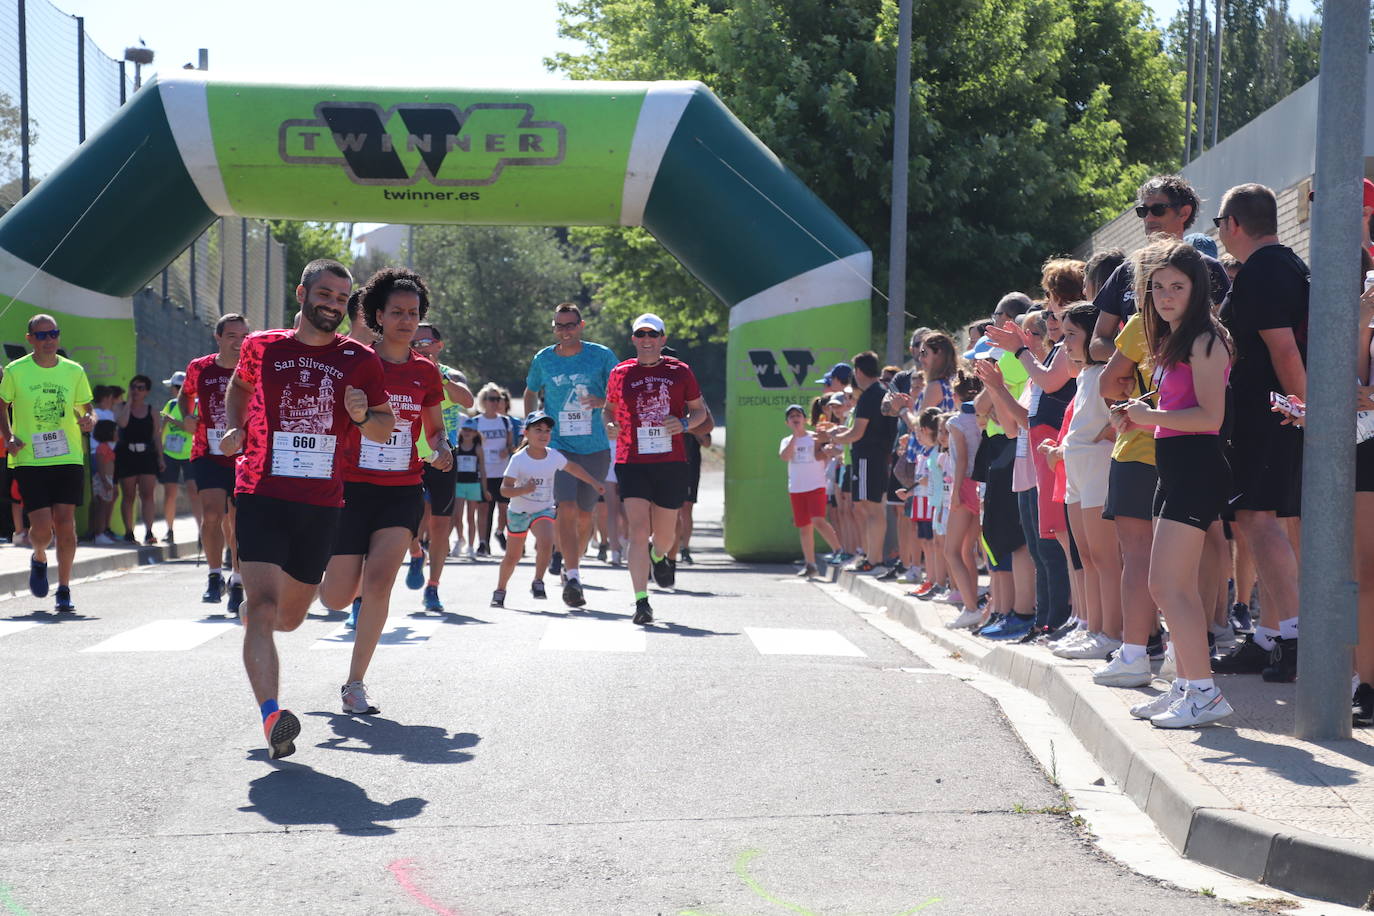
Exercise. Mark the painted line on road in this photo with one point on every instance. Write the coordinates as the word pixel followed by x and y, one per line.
pixel 592 636
pixel 400 870
pixel 785 641
pixel 164 636
pixel 9 903
pixel 400 633
pixel 10 627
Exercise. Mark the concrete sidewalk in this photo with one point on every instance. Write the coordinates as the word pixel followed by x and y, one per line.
pixel 1243 795
pixel 92 559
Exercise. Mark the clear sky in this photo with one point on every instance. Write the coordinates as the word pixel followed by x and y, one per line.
pixel 1164 9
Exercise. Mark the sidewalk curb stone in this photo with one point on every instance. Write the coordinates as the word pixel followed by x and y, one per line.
pixel 1197 819
pixel 18 581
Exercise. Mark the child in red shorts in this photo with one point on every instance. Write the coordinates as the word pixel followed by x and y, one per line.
pixel 806 487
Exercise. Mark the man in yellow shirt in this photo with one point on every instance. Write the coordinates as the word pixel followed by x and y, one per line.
pixel 45 406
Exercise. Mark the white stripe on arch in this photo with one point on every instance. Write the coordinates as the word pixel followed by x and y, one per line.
pixel 845 280
pixel 663 106
pixel 188 115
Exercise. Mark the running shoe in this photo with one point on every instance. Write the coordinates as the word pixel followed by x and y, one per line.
pixel 556 562
pixel 501 539
pixel 912 575
pixel 355 700
pixel 967 618
pixel 281 728
pixel 170 538
pixel 859 566
pixel 1168 668
pixel 1154 647
pixel 924 590
pixel 892 572
pixel 664 574
pixel 572 593
pixel 1362 707
pixel 415 576
pixel 993 620
pixel 1012 627
pixel 1241 621
pixel 129 538
pixel 1195 707
pixel 685 556
pixel 149 539
pixel 38 578
pixel 431 600
pixel 472 552
pixel 537 589
pixel 1283 662
pixel 1223 640
pixel 951 597
pixel 1160 703
pixel 1119 673
pixel 103 539
pixel 808 571
pixel 617 558
pixel 601 552
pixel 214 589
pixel 498 598
pixel 352 621
pixel 63 604
pixel 643 613
pixel 484 549
pixel 457 551
pixel 235 598
pixel 1246 658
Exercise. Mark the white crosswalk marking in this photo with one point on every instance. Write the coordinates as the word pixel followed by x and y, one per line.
pixel 592 636
pixel 164 636
pixel 783 641
pixel 397 633
pixel 8 627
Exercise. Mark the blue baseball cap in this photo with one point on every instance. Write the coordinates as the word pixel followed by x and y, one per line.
pixel 535 416
pixel 471 423
pixel 984 349
pixel 842 371
pixel 1203 243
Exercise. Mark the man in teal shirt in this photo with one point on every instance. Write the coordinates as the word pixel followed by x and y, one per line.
pixel 571 377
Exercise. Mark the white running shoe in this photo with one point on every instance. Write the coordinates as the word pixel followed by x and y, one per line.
pixel 966 619
pixel 356 702
pixel 616 558
pixel 1099 645
pixel 1168 669
pixel 458 548
pixel 1078 636
pixel 472 552
pixel 912 575
pixel 1224 639
pixel 1194 708
pixel 1117 673
pixel 1160 703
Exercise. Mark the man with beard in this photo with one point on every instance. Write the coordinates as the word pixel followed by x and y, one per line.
pixel 293 397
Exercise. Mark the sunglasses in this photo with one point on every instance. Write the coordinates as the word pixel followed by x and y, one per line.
pixel 422 342
pixel 138 387
pixel 645 332
pixel 1219 221
pixel 492 397
pixel 47 335
pixel 1152 210
pixel 566 325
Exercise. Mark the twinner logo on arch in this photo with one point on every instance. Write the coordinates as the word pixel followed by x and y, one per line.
pixel 436 143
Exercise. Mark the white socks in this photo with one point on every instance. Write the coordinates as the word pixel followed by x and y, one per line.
pixel 1131 653
pixel 1288 629
pixel 1264 636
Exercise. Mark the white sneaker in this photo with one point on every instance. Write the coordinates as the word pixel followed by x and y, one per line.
pixel 1099 646
pixel 912 575
pixel 356 702
pixel 965 619
pixel 1160 703
pixel 1075 638
pixel 1224 639
pixel 616 558
pixel 472 552
pixel 103 539
pixel 1168 669
pixel 457 551
pixel 1117 673
pixel 1194 708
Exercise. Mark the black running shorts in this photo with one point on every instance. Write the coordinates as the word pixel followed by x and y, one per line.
pixel 1130 490
pixel 42 487
pixel 211 475
pixel 1194 480
pixel 297 537
pixel 371 507
pixel 663 483
pixel 439 488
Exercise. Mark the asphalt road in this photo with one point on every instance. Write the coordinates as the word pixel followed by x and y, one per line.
pixel 527 761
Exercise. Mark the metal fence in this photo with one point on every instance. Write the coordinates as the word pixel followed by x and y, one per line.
pixel 56 88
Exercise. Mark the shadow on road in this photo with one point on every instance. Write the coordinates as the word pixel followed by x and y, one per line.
pixel 447 617
pixel 296 795
pixel 1294 764
pixel 412 743
pixel 51 617
pixel 668 628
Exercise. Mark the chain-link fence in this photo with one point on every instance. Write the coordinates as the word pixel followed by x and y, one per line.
pixel 56 88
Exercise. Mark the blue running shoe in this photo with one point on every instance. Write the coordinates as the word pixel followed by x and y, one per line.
pixel 432 602
pixel 1013 627
pixel 352 621
pixel 38 578
pixel 415 578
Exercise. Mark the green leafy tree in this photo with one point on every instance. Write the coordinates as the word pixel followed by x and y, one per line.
pixel 1031 120
pixel 11 149
pixel 304 242
pixel 492 289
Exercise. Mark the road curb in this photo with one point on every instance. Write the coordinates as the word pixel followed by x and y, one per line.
pixel 84 566
pixel 1197 819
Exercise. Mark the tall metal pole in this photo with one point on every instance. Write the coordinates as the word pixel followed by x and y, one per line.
pixel 1204 47
pixel 1325 586
pixel 1188 96
pixel 901 161
pixel 123 84
pixel 24 175
pixel 1216 81
pixel 80 79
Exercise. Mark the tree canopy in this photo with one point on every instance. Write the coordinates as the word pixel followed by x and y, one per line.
pixel 1031 120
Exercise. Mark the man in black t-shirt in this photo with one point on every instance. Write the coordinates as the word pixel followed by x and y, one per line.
pixel 870 443
pixel 1168 206
pixel 1266 313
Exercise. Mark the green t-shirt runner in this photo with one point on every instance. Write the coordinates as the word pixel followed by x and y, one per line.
pixel 176 443
pixel 453 418
pixel 43 405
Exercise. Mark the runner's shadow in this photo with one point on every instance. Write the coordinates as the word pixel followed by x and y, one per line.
pixel 600 615
pixel 447 617
pixel 668 628
pixel 296 795
pixel 520 610
pixel 412 743
pixel 52 617
pixel 677 590
pixel 328 616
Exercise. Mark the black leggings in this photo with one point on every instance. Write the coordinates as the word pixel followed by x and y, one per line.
pixel 1194 480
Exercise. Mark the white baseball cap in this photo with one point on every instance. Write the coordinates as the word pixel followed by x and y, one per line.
pixel 648 320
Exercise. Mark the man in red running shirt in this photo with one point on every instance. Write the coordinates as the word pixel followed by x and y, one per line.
pixel 294 397
pixel 653 399
pixel 202 402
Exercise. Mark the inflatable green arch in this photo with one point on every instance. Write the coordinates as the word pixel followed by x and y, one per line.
pixel 666 156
